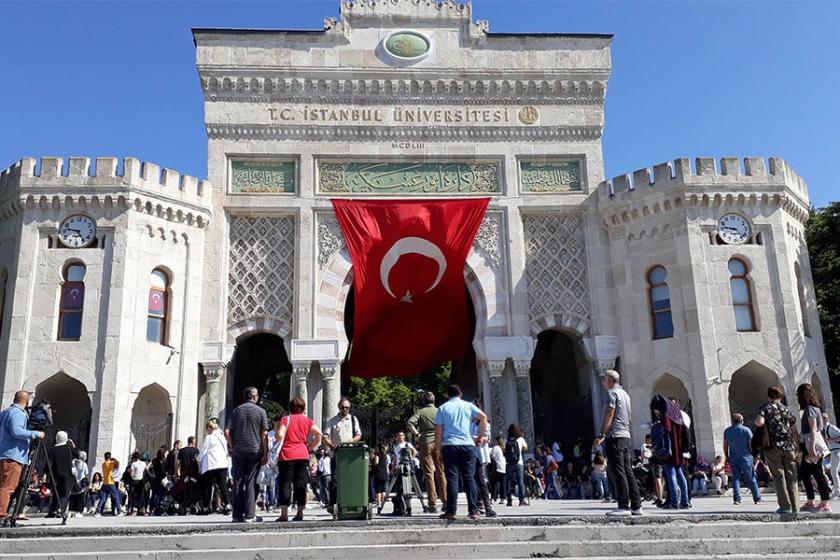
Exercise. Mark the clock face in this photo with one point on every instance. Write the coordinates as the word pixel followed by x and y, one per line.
pixel 734 229
pixel 77 231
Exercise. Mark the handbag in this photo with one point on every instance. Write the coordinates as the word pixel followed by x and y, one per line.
pixel 820 446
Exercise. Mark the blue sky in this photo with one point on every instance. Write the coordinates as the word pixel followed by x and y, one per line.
pixel 689 78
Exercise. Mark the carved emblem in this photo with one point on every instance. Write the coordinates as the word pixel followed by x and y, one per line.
pixel 560 176
pixel 529 115
pixel 420 178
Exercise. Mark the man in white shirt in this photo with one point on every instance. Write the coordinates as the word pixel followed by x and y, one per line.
pixel 341 428
pixel 399 445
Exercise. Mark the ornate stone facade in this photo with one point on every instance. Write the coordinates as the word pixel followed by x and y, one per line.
pixel 402 98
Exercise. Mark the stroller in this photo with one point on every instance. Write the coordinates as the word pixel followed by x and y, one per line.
pixel 644 479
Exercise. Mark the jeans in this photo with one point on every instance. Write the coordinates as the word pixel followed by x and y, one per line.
pixel 620 469
pixel 459 462
pixel 699 486
pixel 515 475
pixel 246 466
pixel 482 485
pixel 835 466
pixel 677 485
pixel 782 465
pixel 743 469
pixel 600 485
pixel 814 471
pixel 109 491
pixel 551 491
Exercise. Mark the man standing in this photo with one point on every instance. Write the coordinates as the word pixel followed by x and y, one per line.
pixel 780 424
pixel 188 459
pixel 14 447
pixel 452 436
pixel 109 486
pixel 737 450
pixel 422 425
pixel 171 466
pixel 341 428
pixel 247 436
pixel 615 434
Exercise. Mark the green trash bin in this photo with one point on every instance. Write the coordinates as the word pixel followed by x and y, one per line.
pixel 351 465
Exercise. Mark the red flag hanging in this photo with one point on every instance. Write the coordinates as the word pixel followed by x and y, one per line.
pixel 408 262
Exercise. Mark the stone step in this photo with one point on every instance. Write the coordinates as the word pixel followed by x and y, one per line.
pixel 801 546
pixel 272 536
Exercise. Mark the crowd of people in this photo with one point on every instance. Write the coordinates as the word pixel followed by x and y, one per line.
pixel 255 466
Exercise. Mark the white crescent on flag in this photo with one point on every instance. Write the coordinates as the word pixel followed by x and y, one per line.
pixel 411 245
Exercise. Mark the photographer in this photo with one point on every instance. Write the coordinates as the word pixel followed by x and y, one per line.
pixel 422 425
pixel 14 447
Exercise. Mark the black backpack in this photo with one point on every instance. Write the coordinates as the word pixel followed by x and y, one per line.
pixel 512 451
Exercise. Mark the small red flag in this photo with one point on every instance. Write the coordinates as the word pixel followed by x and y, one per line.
pixel 408 262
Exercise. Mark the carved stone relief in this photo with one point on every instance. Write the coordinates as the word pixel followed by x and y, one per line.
pixel 330 239
pixel 408 178
pixel 488 239
pixel 555 265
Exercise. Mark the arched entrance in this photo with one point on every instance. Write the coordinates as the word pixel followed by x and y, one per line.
pixel 748 389
pixel 260 361
pixel 70 406
pixel 383 405
pixel 151 419
pixel 671 387
pixel 561 391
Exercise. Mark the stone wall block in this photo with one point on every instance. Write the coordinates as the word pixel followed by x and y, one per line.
pixel 106 167
pixel 79 167
pixel 729 166
pixel 51 167
pixel 706 166
pixel 755 166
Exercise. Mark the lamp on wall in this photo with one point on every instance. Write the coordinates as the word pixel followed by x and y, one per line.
pixel 719 379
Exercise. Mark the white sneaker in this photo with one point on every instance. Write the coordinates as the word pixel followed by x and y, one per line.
pixel 619 512
pixel 97 514
pixel 637 511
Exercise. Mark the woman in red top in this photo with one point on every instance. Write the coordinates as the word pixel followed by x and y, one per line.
pixel 299 436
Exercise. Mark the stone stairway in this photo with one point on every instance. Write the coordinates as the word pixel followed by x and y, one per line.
pixel 736 537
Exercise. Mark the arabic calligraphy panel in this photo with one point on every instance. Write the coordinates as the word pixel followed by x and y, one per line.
pixel 408 178
pixel 255 176
pixel 550 177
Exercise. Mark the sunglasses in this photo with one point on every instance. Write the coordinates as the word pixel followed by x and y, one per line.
pixel 344 408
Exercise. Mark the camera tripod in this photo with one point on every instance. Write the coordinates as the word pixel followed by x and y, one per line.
pixel 409 486
pixel 35 450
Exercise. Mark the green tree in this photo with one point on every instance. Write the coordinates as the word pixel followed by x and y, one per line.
pixel 823 234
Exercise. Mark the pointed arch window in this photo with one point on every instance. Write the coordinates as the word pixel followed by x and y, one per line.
pixel 803 307
pixel 72 302
pixel 742 299
pixel 158 311
pixel 660 303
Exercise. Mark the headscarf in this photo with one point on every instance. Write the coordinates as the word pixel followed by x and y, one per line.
pixel 82 456
pixel 61 438
pixel 673 412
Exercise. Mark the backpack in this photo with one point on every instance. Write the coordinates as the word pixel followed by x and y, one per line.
pixel 512 451
pixel 661 442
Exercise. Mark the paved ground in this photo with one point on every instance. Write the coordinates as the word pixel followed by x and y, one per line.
pixel 702 506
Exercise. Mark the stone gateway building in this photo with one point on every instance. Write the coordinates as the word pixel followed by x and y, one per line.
pixel 141 302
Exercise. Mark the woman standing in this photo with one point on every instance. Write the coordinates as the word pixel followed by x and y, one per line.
pixel 213 464
pixel 158 469
pixel 514 448
pixel 61 457
pixel 669 438
pixel 80 474
pixel 380 474
pixel 300 436
pixel 814 450
pixel 137 483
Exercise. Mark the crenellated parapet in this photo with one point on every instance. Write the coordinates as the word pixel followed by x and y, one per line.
pixel 711 182
pixel 144 186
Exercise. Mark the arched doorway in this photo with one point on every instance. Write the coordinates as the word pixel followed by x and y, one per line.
pixel 260 361
pixel 70 407
pixel 383 405
pixel 561 391
pixel 748 389
pixel 151 419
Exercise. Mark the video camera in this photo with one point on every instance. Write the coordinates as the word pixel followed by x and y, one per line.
pixel 40 415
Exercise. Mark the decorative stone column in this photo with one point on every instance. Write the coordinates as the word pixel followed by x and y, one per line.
pixel 300 380
pixel 214 375
pixel 331 388
pixel 495 369
pixel 524 404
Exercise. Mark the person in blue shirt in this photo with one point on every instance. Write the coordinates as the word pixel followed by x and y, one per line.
pixel 14 447
pixel 453 436
pixel 736 448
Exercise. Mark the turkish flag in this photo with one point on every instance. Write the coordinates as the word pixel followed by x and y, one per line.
pixel 408 262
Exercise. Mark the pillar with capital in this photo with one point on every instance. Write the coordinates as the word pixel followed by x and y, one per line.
pixel 524 403
pixel 495 369
pixel 214 375
pixel 300 381
pixel 331 387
